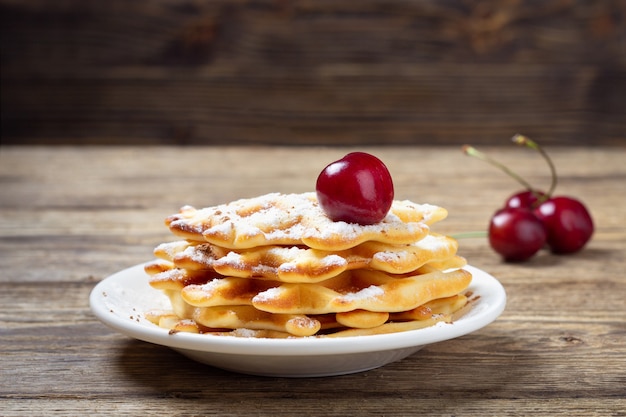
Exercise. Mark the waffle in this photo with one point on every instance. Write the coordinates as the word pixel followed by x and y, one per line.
pixel 297 219
pixel 277 266
pixel 243 321
pixel 357 289
pixel 299 264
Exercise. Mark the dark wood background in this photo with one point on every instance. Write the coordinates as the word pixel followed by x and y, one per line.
pixel 312 72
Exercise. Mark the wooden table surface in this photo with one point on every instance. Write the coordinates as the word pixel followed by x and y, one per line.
pixel 69 217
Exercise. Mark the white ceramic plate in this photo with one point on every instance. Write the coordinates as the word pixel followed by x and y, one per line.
pixel 120 300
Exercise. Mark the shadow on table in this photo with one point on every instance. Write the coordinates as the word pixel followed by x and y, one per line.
pixel 445 371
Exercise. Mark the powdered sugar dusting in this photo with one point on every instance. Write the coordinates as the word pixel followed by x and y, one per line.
pixel 333 260
pixel 200 254
pixel 304 322
pixel 370 292
pixel 211 286
pixel 268 295
pixel 232 259
pixel 429 244
pixel 391 257
pixel 432 243
pixel 169 275
pixel 170 249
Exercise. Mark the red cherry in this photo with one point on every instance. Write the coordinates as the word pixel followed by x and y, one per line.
pixel 567 222
pixel 516 234
pixel 356 189
pixel 526 199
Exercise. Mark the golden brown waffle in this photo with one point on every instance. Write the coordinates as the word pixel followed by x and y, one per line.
pixel 245 321
pixel 352 290
pixel 363 289
pixel 300 264
pixel 297 219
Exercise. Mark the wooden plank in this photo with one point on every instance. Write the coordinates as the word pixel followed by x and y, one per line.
pixel 323 73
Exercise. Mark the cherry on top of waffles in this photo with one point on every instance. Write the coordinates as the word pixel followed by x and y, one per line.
pixel 355 189
pixel 514 230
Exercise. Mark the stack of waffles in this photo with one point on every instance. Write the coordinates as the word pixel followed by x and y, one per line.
pixel 276 266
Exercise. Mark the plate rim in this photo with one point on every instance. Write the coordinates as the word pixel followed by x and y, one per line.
pixel 488 307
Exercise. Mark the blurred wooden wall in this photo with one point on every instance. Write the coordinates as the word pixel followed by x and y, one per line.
pixel 312 72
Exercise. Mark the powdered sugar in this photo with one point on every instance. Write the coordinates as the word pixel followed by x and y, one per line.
pixel 232 259
pixel 211 286
pixel 333 260
pixel 170 249
pixel 201 255
pixel 268 295
pixel 432 243
pixel 370 292
pixel 304 322
pixel 390 257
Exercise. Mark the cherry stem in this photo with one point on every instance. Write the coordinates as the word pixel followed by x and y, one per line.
pixel 465 235
pixel 471 151
pixel 529 143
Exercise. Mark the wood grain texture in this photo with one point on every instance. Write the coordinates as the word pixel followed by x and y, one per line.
pixel 371 72
pixel 71 216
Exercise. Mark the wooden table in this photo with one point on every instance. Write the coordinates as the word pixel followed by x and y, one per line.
pixel 69 217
